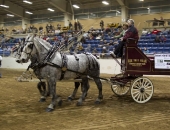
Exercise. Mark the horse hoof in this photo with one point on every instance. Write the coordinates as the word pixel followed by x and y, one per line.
pixel 79 103
pixel 42 100
pixel 70 99
pixel 97 102
pixel 60 103
pixel 49 110
pixel 86 95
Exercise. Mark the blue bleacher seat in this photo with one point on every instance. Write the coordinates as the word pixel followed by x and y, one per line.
pixel 140 44
pixel 166 44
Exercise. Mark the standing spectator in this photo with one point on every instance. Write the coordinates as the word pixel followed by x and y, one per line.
pixel 0 64
pixel 58 26
pixel 79 27
pixel 102 24
pixel 75 26
pixel 162 22
pixel 70 26
pixel 40 30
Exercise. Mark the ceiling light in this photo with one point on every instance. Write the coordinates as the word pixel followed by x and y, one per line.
pixel 141 0
pixel 26 1
pixel 105 2
pixel 50 9
pixel 28 12
pixel 5 6
pixel 118 11
pixel 76 6
pixel 11 15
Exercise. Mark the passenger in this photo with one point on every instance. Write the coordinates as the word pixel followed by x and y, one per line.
pixel 132 32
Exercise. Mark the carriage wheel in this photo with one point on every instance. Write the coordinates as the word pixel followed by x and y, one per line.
pixel 120 90
pixel 142 90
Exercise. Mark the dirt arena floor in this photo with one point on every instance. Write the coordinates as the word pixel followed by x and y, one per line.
pixel 20 109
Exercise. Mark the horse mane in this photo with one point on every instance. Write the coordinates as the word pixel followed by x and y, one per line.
pixel 46 44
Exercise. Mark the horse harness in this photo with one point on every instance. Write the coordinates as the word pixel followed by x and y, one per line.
pixel 37 65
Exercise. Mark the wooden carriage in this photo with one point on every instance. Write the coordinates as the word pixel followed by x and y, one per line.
pixel 135 64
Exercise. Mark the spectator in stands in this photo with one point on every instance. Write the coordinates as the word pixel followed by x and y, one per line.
pixel 70 26
pixel 102 24
pixel 145 50
pixel 0 65
pixel 163 39
pixel 79 27
pixel 104 51
pixel 164 32
pixel 88 49
pixel 98 37
pixel 125 27
pixel 157 39
pixel 155 31
pixel 155 22
pixel 161 22
pixel 95 53
pixel 47 28
pixel 40 30
pixel 75 26
pixel 132 32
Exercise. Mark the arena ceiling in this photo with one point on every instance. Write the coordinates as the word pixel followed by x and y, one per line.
pixel 18 7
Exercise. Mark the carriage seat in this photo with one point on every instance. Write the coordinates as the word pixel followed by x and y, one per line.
pixel 131 42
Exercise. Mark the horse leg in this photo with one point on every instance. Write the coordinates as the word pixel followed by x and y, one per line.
pixel 48 91
pixel 99 86
pixel 52 84
pixel 42 89
pixel 59 100
pixel 84 93
pixel 72 96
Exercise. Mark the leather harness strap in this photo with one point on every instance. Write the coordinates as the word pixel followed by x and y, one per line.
pixel 64 65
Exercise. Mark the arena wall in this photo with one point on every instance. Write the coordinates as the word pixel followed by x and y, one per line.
pixel 107 66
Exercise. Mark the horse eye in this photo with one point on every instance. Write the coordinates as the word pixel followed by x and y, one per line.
pixel 30 46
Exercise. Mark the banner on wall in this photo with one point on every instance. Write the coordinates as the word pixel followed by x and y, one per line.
pixel 162 61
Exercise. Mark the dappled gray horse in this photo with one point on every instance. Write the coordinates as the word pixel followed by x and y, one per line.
pixel 52 70
pixel 42 85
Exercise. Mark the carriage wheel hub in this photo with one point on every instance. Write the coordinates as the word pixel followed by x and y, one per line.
pixel 142 90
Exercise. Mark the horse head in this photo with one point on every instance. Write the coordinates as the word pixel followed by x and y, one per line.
pixel 26 50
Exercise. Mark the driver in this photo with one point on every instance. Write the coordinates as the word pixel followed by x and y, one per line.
pixel 131 32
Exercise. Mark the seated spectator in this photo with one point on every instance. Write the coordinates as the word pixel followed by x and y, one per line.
pixel 164 32
pixel 88 49
pixel 98 37
pixel 155 31
pixel 144 32
pixel 80 48
pixel 163 39
pixel 145 50
pixel 122 33
pixel 95 53
pixel 157 39
pixel 104 51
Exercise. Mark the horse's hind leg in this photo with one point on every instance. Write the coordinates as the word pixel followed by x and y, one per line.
pixel 99 86
pixel 42 89
pixel 72 96
pixel 85 86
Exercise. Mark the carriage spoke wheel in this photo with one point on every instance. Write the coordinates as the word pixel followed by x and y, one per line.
pixel 142 90
pixel 120 90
